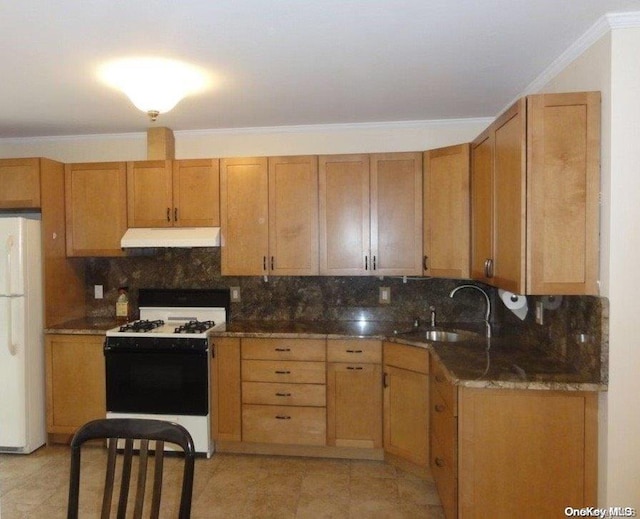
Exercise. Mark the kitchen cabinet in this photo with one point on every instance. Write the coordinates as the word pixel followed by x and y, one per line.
pixel 446 211
pixel 20 181
pixel 179 193
pixel 226 411
pixel 534 202
pixel 371 214
pixel 269 223
pixel 406 403
pixel 493 450
pixel 75 382
pixel 354 393
pixel 284 391
pixel 443 445
pixel 95 221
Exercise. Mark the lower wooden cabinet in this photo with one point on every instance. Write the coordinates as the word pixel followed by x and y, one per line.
pixel 290 425
pixel 406 403
pixel 226 418
pixel 354 393
pixel 75 381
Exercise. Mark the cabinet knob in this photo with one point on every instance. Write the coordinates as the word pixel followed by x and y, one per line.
pixel 272 263
pixel 439 379
pixel 283 394
pixel 373 261
pixel 488 268
pixel 355 367
pixel 439 408
pixel 168 214
pixel 175 214
pixel 264 263
pixel 354 351
pixel 283 372
pixel 366 262
pixel 425 263
pixel 283 349
pixel 282 417
pixel 439 462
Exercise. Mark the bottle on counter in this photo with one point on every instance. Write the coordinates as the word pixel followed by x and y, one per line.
pixel 122 306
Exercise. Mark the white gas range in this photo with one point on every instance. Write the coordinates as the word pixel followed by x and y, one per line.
pixel 158 367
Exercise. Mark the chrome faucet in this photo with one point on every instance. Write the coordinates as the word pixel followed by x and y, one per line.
pixel 487 300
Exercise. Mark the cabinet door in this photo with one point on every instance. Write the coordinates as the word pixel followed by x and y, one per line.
pixel 344 215
pixel 226 409
pixel 396 214
pixel 406 414
pixel 446 212
pixel 525 453
pixel 244 206
pixel 96 208
pixel 20 181
pixel 196 193
pixel 354 405
pixel 509 191
pixel 482 206
pixel 563 187
pixel 75 376
pixel 293 216
pixel 149 199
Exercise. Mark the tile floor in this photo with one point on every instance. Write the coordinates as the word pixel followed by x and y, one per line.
pixel 228 486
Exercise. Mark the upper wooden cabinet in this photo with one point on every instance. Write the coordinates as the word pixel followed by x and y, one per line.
pixel 269 211
pixel 371 214
pixel 20 181
pixel 181 193
pixel 534 202
pixel 446 212
pixel 96 208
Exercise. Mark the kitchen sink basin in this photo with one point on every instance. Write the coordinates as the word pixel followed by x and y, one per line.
pixel 450 335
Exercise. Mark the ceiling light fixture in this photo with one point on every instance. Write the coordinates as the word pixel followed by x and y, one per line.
pixel 154 85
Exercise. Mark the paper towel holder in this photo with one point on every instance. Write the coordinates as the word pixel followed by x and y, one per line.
pixel 514 302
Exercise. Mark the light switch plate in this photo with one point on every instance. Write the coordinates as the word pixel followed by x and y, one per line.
pixel 235 294
pixel 384 296
pixel 98 291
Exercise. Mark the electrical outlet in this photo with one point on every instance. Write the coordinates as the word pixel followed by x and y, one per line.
pixel 235 294
pixel 98 291
pixel 384 296
pixel 539 312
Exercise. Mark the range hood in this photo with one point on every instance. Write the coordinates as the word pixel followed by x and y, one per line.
pixel 171 237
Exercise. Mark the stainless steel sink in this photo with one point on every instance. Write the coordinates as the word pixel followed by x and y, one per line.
pixel 450 335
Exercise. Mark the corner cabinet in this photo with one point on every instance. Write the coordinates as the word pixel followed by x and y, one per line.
pixel 269 216
pixel 406 404
pixel 534 202
pixel 371 214
pixel 75 382
pixel 446 212
pixel 95 222
pixel 179 193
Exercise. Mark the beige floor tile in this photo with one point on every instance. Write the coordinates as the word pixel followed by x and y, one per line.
pixel 373 489
pixel 323 485
pixel 323 507
pixel 373 469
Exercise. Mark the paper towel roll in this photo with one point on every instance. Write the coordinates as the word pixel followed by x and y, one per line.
pixel 514 302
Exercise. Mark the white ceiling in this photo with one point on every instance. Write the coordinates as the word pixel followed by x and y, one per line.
pixel 281 62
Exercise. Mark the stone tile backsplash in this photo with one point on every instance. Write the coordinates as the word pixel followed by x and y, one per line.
pixel 576 332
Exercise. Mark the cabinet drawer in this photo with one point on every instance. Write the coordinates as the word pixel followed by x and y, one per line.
pixel 406 357
pixel 442 385
pixel 363 351
pixel 444 474
pixel 284 394
pixel 281 424
pixel 283 371
pixel 284 349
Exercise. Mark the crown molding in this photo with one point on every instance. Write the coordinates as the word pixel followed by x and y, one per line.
pixel 603 26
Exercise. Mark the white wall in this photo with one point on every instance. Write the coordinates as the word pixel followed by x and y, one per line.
pixel 611 66
pixel 353 138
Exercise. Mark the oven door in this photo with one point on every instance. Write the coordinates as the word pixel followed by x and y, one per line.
pixel 157 381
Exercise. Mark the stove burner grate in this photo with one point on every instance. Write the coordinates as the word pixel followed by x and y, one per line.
pixel 195 326
pixel 141 326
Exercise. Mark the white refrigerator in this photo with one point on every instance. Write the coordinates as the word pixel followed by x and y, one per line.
pixel 22 399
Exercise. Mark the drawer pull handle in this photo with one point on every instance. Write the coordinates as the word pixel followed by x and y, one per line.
pixel 283 349
pixel 439 462
pixel 286 372
pixel 283 394
pixel 355 367
pixel 354 351
pixel 439 408
pixel 282 417
pixel 440 379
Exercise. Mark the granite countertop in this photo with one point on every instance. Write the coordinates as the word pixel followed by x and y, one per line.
pixel 504 362
pixel 83 326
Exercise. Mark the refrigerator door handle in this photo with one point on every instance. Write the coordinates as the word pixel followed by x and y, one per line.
pixel 13 349
pixel 7 273
pixel 12 346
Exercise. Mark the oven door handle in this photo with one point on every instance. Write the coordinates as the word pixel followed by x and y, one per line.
pixel 110 350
